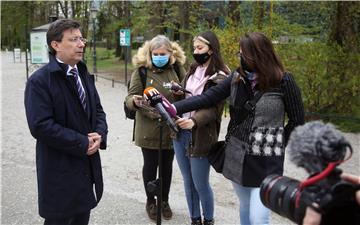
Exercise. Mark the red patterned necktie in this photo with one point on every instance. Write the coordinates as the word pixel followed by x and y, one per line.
pixel 80 89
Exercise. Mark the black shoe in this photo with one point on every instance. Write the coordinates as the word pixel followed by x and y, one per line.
pixel 196 221
pixel 151 209
pixel 209 222
pixel 166 211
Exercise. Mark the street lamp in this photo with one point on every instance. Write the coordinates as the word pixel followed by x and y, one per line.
pixel 93 12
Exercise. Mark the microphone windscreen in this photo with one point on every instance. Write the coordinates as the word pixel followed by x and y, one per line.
pixel 315 144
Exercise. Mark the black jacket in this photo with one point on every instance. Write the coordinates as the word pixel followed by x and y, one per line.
pixel 256 166
pixel 60 125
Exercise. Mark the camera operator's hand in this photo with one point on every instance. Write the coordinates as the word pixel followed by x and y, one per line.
pixel 314 218
pixel 311 217
pixel 352 179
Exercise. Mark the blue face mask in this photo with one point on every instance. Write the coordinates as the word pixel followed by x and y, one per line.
pixel 160 60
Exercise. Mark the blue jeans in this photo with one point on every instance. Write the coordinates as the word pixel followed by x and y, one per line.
pixel 252 211
pixel 195 172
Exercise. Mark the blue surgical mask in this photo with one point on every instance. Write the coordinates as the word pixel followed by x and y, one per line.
pixel 160 60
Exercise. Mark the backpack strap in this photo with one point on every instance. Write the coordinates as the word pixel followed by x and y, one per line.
pixel 142 74
pixel 177 69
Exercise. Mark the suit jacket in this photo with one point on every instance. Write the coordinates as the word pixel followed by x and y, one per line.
pixel 58 122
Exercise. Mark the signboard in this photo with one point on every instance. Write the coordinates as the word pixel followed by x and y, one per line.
pixel 39 48
pixel 125 37
pixel 17 55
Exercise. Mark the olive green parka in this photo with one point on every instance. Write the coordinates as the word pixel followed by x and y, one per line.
pixel 147 129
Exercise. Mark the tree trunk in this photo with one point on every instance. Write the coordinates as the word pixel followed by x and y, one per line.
pixel 234 11
pixel 343 30
pixel 258 14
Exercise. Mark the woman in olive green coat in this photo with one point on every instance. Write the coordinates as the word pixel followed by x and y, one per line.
pixel 162 61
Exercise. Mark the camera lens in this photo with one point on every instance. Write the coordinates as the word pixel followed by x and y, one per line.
pixel 278 194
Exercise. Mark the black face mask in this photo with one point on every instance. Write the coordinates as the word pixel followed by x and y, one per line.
pixel 201 58
pixel 244 65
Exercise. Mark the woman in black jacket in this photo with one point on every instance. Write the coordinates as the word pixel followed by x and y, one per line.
pixel 260 130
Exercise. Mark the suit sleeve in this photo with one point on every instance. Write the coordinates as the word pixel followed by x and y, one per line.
pixel 101 125
pixel 43 127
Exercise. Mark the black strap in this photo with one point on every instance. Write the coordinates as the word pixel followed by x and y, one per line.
pixel 142 74
pixel 249 105
pixel 177 69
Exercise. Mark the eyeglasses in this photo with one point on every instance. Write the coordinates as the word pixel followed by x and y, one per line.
pixel 78 39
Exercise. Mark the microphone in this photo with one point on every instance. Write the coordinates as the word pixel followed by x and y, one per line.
pixel 156 101
pixel 175 87
pixel 314 145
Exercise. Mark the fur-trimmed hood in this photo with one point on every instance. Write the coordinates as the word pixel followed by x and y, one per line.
pixel 143 55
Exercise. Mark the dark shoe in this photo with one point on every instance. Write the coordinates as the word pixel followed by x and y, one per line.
pixel 209 222
pixel 166 211
pixel 151 209
pixel 196 221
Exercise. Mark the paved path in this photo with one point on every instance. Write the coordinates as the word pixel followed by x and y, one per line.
pixel 124 198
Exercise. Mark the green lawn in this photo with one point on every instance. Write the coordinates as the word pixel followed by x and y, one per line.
pixel 106 61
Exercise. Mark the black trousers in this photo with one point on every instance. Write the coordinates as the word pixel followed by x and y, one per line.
pixel 150 170
pixel 78 219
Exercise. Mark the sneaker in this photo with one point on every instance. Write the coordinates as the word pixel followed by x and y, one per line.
pixel 151 209
pixel 196 221
pixel 166 211
pixel 209 222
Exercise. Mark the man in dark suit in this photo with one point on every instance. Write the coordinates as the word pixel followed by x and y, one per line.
pixel 67 120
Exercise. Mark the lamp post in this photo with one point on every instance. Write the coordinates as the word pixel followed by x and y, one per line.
pixel 93 12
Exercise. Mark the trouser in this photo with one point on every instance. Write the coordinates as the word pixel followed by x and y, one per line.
pixel 78 219
pixel 195 172
pixel 252 211
pixel 150 170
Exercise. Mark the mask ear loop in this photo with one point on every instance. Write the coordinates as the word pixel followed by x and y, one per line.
pixel 323 174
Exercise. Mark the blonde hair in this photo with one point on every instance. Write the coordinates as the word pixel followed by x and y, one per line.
pixel 159 41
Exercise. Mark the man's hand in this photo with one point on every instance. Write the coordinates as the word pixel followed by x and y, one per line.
pixel 94 143
pixel 185 123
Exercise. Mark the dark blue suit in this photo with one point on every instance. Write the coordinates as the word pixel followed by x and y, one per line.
pixel 56 119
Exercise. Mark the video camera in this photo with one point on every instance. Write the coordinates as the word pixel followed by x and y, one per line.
pixel 318 148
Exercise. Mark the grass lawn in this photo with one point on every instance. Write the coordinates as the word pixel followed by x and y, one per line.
pixel 107 63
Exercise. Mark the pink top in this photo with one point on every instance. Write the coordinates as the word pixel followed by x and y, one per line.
pixel 195 84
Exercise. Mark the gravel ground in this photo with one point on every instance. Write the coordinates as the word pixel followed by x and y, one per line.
pixel 124 198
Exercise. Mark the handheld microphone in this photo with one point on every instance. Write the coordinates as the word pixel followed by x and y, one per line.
pixel 156 101
pixel 175 87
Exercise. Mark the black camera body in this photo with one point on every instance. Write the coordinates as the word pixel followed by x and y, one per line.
pixel 334 197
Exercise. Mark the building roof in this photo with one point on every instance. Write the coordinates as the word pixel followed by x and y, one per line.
pixel 44 27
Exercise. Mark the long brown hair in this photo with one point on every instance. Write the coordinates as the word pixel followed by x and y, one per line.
pixel 216 61
pixel 259 53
